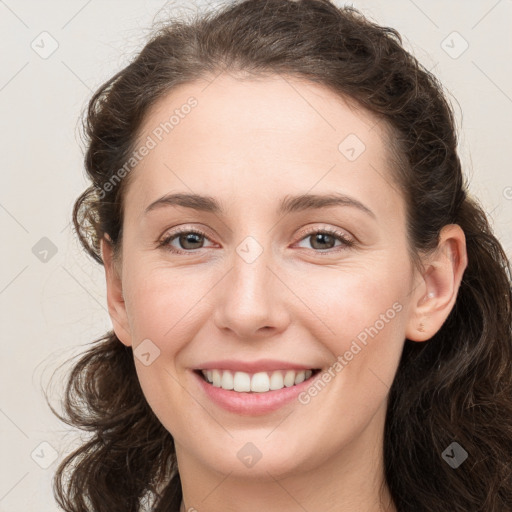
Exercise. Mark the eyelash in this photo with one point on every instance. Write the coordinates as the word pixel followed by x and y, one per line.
pixel 165 241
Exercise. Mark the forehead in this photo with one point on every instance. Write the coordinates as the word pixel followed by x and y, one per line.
pixel 246 110
pixel 279 131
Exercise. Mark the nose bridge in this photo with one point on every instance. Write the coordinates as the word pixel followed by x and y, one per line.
pixel 250 275
pixel 250 299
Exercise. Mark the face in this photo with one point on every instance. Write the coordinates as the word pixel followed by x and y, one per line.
pixel 258 285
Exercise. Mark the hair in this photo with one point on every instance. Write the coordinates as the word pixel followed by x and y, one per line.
pixel 456 387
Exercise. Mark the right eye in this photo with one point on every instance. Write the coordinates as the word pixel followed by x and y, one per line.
pixel 184 237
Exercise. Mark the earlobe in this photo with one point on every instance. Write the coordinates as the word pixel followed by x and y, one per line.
pixel 115 298
pixel 435 297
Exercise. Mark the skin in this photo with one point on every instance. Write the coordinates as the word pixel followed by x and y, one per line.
pixel 249 143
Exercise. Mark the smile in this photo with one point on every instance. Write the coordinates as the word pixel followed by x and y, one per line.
pixel 260 382
pixel 254 393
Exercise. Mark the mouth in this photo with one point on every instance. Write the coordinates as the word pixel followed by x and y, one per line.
pixel 258 382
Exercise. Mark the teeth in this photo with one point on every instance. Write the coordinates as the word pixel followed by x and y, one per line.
pixel 227 381
pixel 216 378
pixel 260 382
pixel 276 381
pixel 242 381
pixel 300 377
pixel 289 378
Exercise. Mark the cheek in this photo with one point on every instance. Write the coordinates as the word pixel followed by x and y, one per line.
pixel 363 313
pixel 358 296
pixel 164 301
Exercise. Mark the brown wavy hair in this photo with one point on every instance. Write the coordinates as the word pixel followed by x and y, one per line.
pixel 455 387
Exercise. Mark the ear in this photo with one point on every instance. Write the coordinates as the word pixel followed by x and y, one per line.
pixel 115 298
pixel 435 296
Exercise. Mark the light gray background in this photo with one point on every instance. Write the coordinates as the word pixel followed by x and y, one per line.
pixel 52 309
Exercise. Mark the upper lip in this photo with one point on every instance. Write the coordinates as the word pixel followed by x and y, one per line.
pixel 263 365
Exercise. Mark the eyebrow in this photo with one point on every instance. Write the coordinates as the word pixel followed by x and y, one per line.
pixel 289 204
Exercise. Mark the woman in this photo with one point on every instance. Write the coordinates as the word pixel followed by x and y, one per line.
pixel 309 311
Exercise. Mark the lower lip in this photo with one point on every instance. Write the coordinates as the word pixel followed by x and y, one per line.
pixel 253 404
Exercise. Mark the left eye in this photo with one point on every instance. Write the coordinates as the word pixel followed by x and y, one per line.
pixel 190 240
pixel 327 237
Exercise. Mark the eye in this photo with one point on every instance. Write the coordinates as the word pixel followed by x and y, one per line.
pixel 326 238
pixel 193 239
pixel 188 239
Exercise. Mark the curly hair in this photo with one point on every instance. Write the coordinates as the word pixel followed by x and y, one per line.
pixel 457 386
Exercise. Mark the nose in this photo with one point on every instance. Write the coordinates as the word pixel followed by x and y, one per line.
pixel 251 299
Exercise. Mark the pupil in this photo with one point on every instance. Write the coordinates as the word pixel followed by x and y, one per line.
pixel 194 238
pixel 327 238
pixel 189 238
